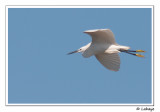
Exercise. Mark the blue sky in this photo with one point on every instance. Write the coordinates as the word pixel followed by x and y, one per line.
pixel 39 71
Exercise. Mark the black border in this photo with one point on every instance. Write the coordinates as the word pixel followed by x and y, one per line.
pixel 84 104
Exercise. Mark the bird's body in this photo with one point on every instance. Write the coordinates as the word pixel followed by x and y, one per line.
pixel 92 49
pixel 105 49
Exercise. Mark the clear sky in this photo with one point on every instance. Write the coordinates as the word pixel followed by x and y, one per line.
pixel 39 71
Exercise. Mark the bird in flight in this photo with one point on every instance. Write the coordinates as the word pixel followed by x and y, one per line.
pixel 105 48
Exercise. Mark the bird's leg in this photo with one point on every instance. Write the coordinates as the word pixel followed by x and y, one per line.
pixel 135 50
pixel 139 55
pixel 129 52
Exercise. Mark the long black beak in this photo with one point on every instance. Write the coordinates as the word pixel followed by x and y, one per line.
pixel 72 52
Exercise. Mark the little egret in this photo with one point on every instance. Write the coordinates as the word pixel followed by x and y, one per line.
pixel 105 49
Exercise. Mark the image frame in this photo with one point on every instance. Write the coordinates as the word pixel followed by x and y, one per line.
pixel 74 6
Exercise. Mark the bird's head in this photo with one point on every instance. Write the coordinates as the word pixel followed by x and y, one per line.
pixel 82 49
pixel 77 51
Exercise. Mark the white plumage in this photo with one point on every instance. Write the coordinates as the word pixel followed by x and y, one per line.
pixel 105 48
pixel 110 61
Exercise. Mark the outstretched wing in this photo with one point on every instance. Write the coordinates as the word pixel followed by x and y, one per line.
pixel 105 36
pixel 110 61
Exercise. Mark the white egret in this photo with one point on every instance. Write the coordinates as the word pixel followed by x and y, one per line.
pixel 105 49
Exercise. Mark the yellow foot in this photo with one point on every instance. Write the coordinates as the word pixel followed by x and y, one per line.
pixel 139 55
pixel 140 51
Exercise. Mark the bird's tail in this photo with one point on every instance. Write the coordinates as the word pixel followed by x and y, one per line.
pixel 124 48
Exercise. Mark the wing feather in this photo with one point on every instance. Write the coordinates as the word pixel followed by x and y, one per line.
pixel 105 36
pixel 110 61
